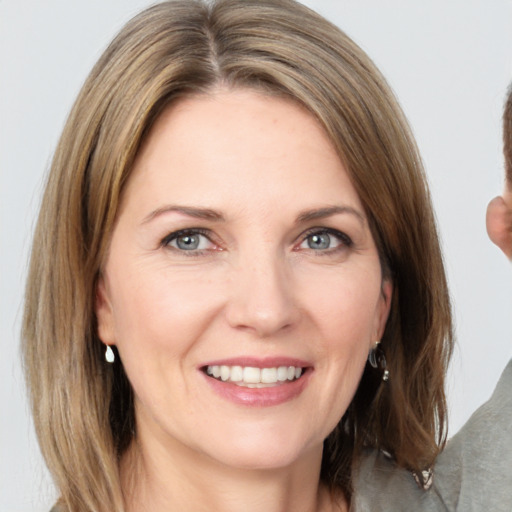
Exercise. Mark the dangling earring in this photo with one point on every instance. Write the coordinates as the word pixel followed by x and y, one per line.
pixel 377 359
pixel 109 355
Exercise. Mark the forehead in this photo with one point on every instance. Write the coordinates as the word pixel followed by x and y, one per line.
pixel 230 147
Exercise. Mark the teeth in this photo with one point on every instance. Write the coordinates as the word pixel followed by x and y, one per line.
pixel 237 374
pixel 254 377
pixel 269 375
pixel 282 373
pixel 224 373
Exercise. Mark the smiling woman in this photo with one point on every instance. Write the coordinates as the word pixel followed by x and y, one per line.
pixel 247 221
pixel 268 303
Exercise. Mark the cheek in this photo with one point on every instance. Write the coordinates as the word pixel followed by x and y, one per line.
pixel 345 306
pixel 344 310
pixel 162 313
pixel 159 321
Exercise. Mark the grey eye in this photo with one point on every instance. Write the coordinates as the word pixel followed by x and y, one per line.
pixel 188 242
pixel 319 241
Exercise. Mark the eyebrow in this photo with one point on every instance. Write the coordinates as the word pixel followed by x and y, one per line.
pixel 322 213
pixel 190 211
pixel 213 215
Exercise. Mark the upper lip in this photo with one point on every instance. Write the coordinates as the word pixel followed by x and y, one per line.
pixel 259 362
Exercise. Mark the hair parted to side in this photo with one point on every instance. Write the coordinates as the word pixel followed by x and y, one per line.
pixel 83 408
pixel 507 136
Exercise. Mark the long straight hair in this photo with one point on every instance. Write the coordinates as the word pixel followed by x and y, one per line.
pixel 507 136
pixel 82 408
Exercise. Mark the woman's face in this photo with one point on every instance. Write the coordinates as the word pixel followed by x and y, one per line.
pixel 243 287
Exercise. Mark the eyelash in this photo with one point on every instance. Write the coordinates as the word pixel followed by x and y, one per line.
pixel 344 239
pixel 166 241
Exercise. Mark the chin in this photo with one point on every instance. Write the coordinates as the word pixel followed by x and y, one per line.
pixel 263 450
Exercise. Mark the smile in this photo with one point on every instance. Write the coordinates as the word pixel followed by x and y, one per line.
pixel 258 382
pixel 252 377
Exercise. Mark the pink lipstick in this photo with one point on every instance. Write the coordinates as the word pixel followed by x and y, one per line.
pixel 257 382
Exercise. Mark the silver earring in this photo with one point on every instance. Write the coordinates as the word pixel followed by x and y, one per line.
pixel 109 355
pixel 377 359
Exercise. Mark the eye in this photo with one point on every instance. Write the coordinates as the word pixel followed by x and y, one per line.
pixel 319 241
pixel 188 240
pixel 325 240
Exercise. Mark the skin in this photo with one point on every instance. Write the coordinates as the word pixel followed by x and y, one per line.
pixel 499 221
pixel 255 287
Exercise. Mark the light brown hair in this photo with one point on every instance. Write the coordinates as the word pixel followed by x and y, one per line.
pixel 83 409
pixel 507 137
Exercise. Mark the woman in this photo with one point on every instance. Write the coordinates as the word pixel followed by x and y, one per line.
pixel 246 218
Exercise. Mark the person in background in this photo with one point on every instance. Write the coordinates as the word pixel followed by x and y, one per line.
pixel 499 211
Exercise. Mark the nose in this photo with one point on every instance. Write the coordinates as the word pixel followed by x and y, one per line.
pixel 261 298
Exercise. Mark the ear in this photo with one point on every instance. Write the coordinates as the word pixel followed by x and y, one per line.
pixel 104 313
pixel 383 309
pixel 499 224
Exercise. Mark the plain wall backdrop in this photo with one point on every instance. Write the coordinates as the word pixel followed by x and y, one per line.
pixel 449 64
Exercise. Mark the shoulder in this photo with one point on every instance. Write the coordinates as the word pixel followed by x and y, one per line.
pixel 471 474
pixel 380 485
pixel 476 462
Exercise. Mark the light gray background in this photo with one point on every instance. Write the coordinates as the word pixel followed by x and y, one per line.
pixel 449 63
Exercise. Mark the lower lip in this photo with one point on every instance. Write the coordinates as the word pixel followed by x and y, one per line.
pixel 259 397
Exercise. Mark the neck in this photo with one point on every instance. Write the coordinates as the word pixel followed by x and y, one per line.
pixel 157 479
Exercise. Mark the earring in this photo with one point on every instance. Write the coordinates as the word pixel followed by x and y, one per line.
pixel 109 355
pixel 377 359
